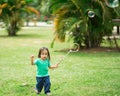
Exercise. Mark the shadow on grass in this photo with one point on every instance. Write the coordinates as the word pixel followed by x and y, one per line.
pixel 22 36
pixel 29 36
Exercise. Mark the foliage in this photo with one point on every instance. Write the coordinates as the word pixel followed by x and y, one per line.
pixel 12 12
pixel 72 16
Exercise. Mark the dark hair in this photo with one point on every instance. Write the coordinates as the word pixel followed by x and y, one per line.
pixel 41 49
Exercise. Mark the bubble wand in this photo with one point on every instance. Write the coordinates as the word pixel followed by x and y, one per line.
pixel 71 50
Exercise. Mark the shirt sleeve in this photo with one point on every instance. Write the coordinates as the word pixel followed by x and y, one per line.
pixel 36 62
pixel 49 64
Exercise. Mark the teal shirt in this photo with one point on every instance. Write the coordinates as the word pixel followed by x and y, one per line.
pixel 42 67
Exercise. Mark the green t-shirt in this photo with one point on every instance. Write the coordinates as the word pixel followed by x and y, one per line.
pixel 42 67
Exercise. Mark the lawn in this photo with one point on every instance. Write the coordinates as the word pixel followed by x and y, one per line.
pixel 80 74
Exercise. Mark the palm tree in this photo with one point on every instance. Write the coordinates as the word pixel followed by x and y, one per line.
pixel 12 12
pixel 87 21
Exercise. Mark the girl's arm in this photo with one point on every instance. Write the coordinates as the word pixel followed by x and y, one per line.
pixel 54 66
pixel 32 60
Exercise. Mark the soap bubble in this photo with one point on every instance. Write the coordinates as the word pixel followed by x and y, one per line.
pixel 112 3
pixel 91 14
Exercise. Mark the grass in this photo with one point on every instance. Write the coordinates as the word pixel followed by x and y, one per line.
pixel 80 74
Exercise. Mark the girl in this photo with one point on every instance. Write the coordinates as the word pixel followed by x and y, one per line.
pixel 42 74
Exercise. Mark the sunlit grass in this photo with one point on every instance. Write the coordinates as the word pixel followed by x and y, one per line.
pixel 80 74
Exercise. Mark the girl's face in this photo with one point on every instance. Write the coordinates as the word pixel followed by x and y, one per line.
pixel 44 54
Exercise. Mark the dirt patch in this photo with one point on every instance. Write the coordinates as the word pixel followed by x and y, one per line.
pixel 99 49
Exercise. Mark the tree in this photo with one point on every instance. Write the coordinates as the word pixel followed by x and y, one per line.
pixel 87 21
pixel 11 13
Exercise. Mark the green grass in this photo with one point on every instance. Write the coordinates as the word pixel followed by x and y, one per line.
pixel 80 74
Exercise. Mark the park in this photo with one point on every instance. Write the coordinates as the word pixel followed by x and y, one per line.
pixel 88 70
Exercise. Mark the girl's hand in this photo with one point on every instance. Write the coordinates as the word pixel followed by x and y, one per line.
pixel 56 65
pixel 32 56
pixel 32 59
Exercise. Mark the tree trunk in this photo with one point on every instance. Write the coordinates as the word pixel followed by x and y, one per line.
pixel 12 28
pixel 118 30
pixel 11 32
pixel 117 47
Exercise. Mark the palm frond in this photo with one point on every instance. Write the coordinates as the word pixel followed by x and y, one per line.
pixel 33 10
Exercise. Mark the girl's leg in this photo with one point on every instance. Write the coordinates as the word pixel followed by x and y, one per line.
pixel 40 83
pixel 47 84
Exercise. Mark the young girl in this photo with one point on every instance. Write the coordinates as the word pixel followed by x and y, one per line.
pixel 42 74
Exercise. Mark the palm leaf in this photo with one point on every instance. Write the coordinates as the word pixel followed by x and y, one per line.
pixel 33 10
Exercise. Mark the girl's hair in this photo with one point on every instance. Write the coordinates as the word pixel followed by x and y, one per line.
pixel 41 49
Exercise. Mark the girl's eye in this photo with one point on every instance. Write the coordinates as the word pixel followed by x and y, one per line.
pixel 43 54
